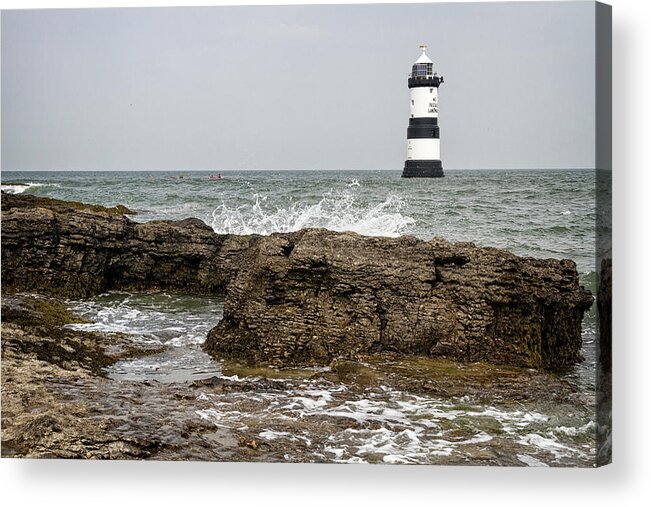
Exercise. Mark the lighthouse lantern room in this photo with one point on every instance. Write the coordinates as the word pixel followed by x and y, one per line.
pixel 423 144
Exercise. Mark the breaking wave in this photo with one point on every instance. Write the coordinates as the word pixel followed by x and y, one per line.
pixel 336 211
pixel 19 188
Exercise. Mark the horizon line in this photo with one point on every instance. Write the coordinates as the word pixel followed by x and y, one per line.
pixel 305 170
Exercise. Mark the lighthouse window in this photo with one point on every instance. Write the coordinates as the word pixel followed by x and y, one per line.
pixel 421 70
pixel 412 102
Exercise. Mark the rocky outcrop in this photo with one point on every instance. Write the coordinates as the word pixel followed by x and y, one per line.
pixel 311 296
pixel 58 403
pixel 316 295
pixel 76 250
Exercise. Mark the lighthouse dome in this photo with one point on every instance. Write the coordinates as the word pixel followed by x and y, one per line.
pixel 423 66
pixel 423 58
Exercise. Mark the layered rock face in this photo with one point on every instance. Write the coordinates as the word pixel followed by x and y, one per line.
pixel 315 295
pixel 311 296
pixel 74 250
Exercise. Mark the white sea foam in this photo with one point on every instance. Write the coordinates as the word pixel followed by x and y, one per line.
pixel 395 427
pixel 573 432
pixel 273 435
pixel 19 188
pixel 14 189
pixel 217 416
pixel 549 444
pixel 383 425
pixel 337 211
pixel 531 461
pixel 338 453
pixel 138 317
pixel 405 446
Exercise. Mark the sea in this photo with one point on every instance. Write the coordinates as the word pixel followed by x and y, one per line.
pixel 537 213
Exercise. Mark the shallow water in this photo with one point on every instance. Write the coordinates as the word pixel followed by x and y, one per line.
pixel 315 418
pixel 176 324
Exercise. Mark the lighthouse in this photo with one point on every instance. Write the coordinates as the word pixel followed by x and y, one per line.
pixel 423 144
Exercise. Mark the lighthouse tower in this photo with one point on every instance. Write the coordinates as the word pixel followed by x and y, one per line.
pixel 423 146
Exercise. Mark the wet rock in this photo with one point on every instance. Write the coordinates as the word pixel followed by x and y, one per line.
pixel 224 385
pixel 246 442
pixel 309 297
pixel 33 326
pixel 76 250
pixel 56 403
pixel 34 201
pixel 315 295
pixel 381 413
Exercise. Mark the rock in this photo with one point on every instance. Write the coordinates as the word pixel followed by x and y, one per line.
pixel 57 403
pixel 250 443
pixel 33 201
pixel 306 298
pixel 75 250
pixel 65 409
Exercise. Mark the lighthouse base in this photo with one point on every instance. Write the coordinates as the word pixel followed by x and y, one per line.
pixel 423 169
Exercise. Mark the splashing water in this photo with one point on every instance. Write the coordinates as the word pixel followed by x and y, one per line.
pixel 337 211
pixel 20 188
pixel 173 326
pixel 539 213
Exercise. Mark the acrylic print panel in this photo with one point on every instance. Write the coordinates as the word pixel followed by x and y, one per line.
pixel 340 234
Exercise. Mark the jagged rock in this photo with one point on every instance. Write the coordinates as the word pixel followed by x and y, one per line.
pixel 311 296
pixel 58 403
pixel 75 250
pixel 315 295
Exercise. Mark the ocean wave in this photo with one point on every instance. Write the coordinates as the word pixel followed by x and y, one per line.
pixel 20 188
pixel 337 211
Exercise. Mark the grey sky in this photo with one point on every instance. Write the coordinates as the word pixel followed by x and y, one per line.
pixel 295 87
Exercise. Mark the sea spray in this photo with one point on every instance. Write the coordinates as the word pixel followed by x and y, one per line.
pixel 337 211
pixel 21 188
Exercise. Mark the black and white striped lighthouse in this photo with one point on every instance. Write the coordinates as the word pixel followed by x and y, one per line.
pixel 423 144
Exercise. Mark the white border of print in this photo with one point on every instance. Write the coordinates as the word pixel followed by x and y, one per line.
pixel 626 482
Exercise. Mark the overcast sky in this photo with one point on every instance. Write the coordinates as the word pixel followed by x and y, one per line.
pixel 295 87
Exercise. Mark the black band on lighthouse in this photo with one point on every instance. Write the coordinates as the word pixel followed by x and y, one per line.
pixel 433 81
pixel 423 169
pixel 422 132
pixel 432 122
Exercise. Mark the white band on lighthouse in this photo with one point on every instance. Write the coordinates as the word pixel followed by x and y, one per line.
pixel 423 145
pixel 423 103
pixel 423 149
